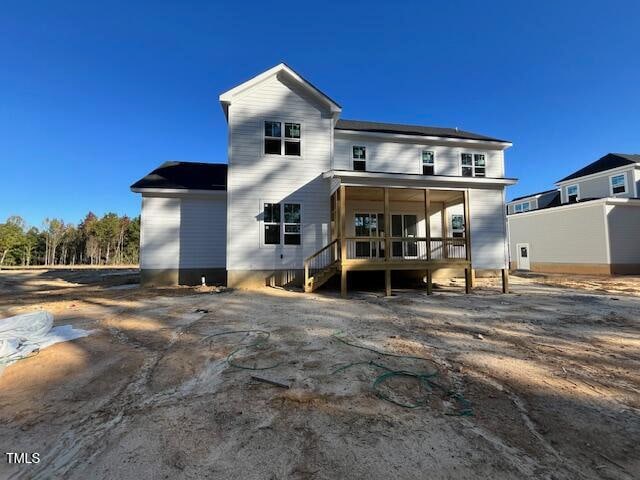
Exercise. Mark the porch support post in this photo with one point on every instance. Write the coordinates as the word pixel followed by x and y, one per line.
pixel 505 280
pixel 427 232
pixel 343 242
pixel 387 243
pixel 445 230
pixel 467 236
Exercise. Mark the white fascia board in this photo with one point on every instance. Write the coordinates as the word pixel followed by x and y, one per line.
pixel 430 179
pixel 603 173
pixel 424 138
pixel 590 203
pixel 179 191
pixel 227 97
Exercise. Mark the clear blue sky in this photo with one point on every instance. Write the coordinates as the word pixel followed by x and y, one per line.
pixel 92 97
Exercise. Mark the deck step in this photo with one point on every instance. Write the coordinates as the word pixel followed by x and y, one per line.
pixel 321 278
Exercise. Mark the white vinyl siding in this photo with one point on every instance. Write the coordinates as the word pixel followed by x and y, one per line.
pixel 488 229
pixel 253 177
pixel 402 157
pixel 183 232
pixel 599 186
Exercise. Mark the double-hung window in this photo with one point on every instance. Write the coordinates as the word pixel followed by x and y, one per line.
pixel 473 164
pixel 292 224
pixel 279 142
pixel 359 157
pixel 572 193
pixel 282 223
pixel 618 184
pixel 428 162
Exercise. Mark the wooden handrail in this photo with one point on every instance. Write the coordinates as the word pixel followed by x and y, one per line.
pixel 319 252
pixel 404 239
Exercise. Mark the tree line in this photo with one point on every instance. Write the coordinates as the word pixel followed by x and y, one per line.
pixel 109 240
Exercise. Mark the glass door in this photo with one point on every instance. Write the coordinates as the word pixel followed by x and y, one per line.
pixel 404 226
pixel 369 225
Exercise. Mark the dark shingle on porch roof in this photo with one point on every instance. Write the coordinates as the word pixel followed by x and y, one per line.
pixel 609 161
pixel 424 131
pixel 186 175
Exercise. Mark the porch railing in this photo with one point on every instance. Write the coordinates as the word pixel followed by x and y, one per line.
pixel 319 261
pixel 405 248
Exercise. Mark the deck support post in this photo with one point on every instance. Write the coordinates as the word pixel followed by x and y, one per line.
pixel 387 282
pixel 429 283
pixel 505 280
pixel 343 242
pixel 467 280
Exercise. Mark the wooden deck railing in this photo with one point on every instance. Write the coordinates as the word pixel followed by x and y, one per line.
pixel 372 249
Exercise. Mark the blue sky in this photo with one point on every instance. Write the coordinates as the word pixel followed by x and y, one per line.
pixel 92 97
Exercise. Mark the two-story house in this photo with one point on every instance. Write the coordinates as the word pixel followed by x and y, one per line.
pixel 589 224
pixel 306 195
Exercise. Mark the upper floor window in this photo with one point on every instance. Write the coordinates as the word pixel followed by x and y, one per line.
pixel 572 193
pixel 618 184
pixel 359 157
pixel 275 143
pixel 473 165
pixel 522 207
pixel 277 231
pixel 428 160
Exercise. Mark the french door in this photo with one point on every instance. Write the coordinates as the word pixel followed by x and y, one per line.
pixel 369 225
pixel 404 226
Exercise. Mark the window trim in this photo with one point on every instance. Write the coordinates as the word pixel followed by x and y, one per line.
pixel 473 164
pixel 422 164
pixel 262 223
pixel 353 159
pixel 283 122
pixel 611 177
pixel 566 191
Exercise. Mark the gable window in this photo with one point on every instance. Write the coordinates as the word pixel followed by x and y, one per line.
pixel 473 164
pixel 359 157
pixel 277 144
pixel 428 158
pixel 572 193
pixel 292 224
pixel 282 223
pixel 618 184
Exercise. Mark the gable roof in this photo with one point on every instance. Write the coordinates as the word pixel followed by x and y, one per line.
pixel 609 161
pixel 282 68
pixel 425 131
pixel 533 195
pixel 185 176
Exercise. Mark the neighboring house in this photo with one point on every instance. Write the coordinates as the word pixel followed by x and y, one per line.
pixel 589 224
pixel 308 195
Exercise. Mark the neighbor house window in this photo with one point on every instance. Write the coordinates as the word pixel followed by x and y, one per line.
pixel 473 164
pixel 359 156
pixel 292 224
pixel 272 223
pixel 277 144
pixel 572 193
pixel 618 184
pixel 428 158
pixel 282 223
pixel 522 207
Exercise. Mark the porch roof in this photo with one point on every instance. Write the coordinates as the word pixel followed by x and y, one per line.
pixel 411 180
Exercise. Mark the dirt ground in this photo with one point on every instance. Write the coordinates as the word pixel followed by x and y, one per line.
pixel 541 383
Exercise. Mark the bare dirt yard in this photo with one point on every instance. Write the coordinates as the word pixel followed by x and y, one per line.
pixel 541 383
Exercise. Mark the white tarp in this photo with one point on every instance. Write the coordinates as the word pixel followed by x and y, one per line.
pixel 22 335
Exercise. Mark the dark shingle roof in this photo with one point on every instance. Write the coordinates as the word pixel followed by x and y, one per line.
pixel 376 127
pixel 532 195
pixel 186 175
pixel 609 161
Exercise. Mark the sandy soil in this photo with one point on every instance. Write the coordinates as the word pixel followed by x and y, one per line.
pixel 550 372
